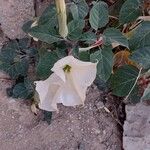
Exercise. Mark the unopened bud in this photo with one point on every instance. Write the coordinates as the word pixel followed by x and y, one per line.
pixel 62 17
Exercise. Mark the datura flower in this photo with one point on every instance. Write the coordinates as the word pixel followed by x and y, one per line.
pixel 67 85
pixel 62 17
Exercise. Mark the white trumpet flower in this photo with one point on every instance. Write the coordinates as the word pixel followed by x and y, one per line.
pixel 67 85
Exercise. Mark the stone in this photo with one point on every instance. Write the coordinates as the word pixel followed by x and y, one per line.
pixel 13 14
pixel 137 127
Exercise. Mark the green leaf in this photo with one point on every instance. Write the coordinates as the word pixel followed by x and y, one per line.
pixel 49 16
pixel 15 69
pixel 105 62
pixel 101 85
pixel 79 10
pixel 83 8
pixel 99 15
pixel 75 28
pixel 123 80
pixel 45 64
pixel 15 57
pixel 23 43
pixel 19 91
pixel 142 57
pixel 45 33
pixel 141 37
pixel 75 51
pixel 130 11
pixel 32 52
pixel 135 95
pixel 45 25
pixel 47 116
pixel 146 95
pixel 74 11
pixel 61 52
pixel 23 90
pixel 84 56
pixel 27 26
pixel 88 37
pixel 115 36
pixel 8 53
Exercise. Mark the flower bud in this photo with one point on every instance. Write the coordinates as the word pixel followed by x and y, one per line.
pixel 62 17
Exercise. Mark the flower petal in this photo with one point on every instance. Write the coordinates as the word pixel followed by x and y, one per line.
pixel 60 64
pixel 47 90
pixel 68 60
pixel 68 94
pixel 78 63
pixel 83 76
pixel 68 88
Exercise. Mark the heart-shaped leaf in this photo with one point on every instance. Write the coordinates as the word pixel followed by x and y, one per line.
pixel 116 37
pixel 130 11
pixel 140 37
pixel 123 80
pixel 105 62
pixel 79 10
pixel 99 15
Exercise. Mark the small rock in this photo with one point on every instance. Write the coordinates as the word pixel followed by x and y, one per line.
pixel 137 128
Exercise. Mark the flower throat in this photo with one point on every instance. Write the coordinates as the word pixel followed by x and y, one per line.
pixel 67 68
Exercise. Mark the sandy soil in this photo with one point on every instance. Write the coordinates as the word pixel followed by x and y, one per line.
pixel 82 128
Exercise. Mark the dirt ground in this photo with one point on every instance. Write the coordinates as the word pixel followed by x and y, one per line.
pixel 82 128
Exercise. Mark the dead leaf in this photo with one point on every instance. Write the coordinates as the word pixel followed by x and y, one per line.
pixel 35 102
pixel 146 7
pixel 34 109
pixel 121 58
